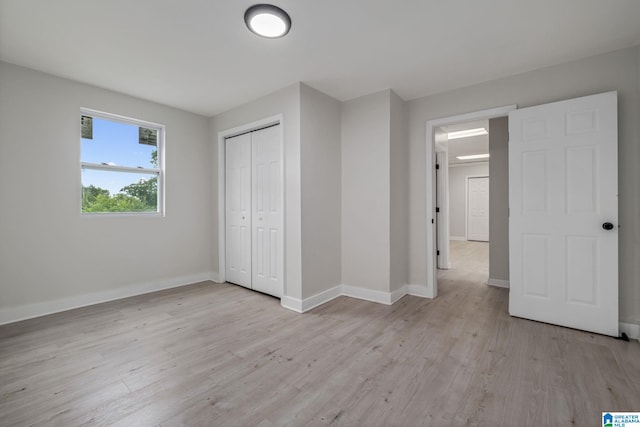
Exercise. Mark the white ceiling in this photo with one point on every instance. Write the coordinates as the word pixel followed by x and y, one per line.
pixel 197 54
pixel 467 125
pixel 467 146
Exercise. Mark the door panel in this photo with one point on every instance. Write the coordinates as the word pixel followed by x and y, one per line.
pixel 582 274
pixel 581 175
pixel 478 209
pixel 562 187
pixel 534 182
pixel 267 211
pixel 238 209
pixel 535 280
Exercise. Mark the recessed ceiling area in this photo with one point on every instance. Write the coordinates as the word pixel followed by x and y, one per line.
pixel 467 146
pixel 199 56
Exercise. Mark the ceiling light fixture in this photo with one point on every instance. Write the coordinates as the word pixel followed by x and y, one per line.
pixel 267 20
pixel 467 133
pixel 473 157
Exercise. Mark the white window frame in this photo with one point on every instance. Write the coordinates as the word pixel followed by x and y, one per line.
pixel 143 171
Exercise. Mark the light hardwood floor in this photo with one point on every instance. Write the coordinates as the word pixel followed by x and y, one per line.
pixel 469 260
pixel 220 355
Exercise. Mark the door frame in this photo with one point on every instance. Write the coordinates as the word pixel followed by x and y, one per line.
pixel 442 227
pixel 466 202
pixel 222 242
pixel 430 219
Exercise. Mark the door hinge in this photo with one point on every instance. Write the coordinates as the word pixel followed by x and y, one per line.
pixel 432 222
pixel 437 166
pixel 437 210
pixel 437 252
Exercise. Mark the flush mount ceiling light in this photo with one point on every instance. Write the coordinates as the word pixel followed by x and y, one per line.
pixel 473 157
pixel 467 133
pixel 267 20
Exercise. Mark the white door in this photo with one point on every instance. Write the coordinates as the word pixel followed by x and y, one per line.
pixel 267 240
pixel 563 224
pixel 238 209
pixel 478 208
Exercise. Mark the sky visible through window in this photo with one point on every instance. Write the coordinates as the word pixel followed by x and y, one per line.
pixel 116 144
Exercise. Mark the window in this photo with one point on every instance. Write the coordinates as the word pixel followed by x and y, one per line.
pixel 121 164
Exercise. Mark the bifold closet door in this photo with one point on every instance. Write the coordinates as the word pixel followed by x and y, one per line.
pixel 238 209
pixel 267 238
pixel 253 198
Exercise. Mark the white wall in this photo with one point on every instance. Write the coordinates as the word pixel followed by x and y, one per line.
pixel 366 192
pixel 458 174
pixel 343 202
pixel 50 257
pixel 286 102
pixel 320 154
pixel 399 197
pixel 499 199
pixel 611 71
pixel 53 259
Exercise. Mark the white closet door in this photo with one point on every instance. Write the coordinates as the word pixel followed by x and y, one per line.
pixel 267 239
pixel 478 208
pixel 238 209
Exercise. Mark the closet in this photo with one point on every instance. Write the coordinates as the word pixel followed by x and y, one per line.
pixel 253 210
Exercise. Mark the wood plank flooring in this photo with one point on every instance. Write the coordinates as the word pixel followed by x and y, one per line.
pixel 220 355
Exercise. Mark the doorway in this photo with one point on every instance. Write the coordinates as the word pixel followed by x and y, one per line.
pixel 562 212
pixel 454 236
pixel 462 196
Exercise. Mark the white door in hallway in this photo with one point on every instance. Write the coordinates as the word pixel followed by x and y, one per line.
pixel 563 224
pixel 254 220
pixel 478 208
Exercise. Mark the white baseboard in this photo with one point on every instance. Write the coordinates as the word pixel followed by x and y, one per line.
pixel 321 298
pixel 388 298
pixel 631 329
pixel 293 304
pixel 397 294
pixel 29 311
pixel 312 302
pixel 413 290
pixel 215 277
pixel 457 238
pixel 380 297
pixel 418 291
pixel 498 283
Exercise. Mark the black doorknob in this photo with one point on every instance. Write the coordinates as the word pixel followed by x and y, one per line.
pixel 607 226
